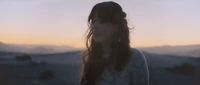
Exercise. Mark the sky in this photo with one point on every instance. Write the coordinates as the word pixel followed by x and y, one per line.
pixel 64 22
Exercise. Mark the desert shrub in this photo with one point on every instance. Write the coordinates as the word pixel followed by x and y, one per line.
pixel 24 57
pixel 185 68
pixel 46 75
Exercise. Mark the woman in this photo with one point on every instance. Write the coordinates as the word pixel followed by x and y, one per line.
pixel 108 59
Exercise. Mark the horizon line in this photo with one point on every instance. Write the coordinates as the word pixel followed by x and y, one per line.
pixel 84 47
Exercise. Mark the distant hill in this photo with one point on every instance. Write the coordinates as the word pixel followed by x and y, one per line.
pixel 1 43
pixel 35 49
pixel 182 50
pixel 187 50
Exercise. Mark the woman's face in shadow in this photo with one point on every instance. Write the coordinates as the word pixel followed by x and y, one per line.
pixel 103 32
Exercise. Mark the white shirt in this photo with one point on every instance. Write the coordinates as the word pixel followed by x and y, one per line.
pixel 135 73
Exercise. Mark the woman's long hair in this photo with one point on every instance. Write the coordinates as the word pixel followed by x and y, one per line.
pixel 93 61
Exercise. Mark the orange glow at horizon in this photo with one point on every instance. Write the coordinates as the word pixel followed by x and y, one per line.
pixel 80 43
pixel 41 41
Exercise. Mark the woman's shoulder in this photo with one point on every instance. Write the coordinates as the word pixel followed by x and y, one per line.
pixel 137 55
pixel 137 59
pixel 139 67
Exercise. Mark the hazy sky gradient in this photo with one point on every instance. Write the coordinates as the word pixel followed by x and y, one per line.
pixel 64 22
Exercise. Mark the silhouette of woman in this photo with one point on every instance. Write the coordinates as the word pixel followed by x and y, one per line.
pixel 108 59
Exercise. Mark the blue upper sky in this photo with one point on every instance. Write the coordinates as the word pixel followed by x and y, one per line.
pixel 64 22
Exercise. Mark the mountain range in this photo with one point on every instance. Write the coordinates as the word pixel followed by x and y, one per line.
pixel 180 50
pixel 35 49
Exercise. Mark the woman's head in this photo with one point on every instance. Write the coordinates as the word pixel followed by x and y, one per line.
pixel 106 12
pixel 106 23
